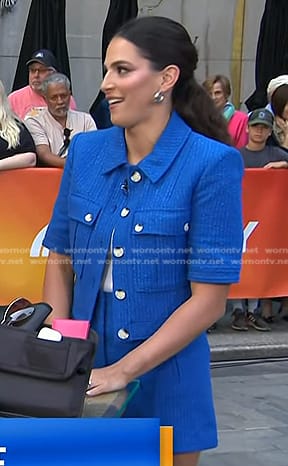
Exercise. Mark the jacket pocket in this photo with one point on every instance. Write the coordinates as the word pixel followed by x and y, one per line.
pixel 160 248
pixel 83 214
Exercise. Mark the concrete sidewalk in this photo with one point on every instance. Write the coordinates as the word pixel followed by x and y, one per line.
pixel 227 344
pixel 252 411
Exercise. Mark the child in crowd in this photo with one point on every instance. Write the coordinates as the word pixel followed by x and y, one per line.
pixel 256 154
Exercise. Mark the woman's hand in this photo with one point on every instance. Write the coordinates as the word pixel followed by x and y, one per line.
pixel 283 125
pixel 189 320
pixel 107 379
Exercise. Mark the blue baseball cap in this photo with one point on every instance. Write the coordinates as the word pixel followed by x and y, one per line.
pixel 45 57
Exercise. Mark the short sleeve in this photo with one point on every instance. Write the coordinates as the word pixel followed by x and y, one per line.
pixel 89 123
pixel 26 140
pixel 26 144
pixel 37 131
pixel 216 232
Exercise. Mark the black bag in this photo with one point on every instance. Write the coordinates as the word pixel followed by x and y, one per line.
pixel 41 378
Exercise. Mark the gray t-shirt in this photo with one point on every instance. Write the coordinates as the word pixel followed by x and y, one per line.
pixel 259 158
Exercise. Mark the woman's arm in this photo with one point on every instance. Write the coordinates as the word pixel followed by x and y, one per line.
pixel 59 276
pixel 25 160
pixel 206 306
pixel 58 286
pixel 193 317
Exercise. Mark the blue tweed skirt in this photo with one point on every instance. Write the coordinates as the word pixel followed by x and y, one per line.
pixel 178 391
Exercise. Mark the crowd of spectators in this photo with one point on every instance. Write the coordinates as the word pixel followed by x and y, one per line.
pixel 262 138
pixel 38 121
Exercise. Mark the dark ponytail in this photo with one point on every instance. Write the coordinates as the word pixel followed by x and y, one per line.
pixel 165 42
pixel 198 110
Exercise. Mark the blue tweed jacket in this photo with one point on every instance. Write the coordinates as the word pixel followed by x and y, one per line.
pixel 176 218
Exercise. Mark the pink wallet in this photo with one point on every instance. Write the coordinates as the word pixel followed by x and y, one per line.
pixel 72 328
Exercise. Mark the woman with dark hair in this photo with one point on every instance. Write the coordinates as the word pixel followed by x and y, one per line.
pixel 149 215
pixel 279 106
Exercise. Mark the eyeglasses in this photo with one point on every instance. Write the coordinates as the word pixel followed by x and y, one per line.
pixel 67 133
pixel 40 70
pixel 17 312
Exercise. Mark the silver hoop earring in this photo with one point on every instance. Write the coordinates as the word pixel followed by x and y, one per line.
pixel 158 97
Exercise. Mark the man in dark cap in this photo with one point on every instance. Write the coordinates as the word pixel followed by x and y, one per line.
pixel 29 100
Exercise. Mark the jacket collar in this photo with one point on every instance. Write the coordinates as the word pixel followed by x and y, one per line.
pixel 155 164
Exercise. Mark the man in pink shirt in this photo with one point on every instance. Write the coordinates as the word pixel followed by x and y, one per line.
pixel 29 101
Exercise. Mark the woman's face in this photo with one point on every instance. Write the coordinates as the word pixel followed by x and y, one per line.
pixel 129 84
pixel 218 95
pixel 282 121
pixel 285 113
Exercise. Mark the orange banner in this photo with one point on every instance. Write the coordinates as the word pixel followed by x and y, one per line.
pixel 265 248
pixel 27 200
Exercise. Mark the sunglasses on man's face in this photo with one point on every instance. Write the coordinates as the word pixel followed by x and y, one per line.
pixel 17 312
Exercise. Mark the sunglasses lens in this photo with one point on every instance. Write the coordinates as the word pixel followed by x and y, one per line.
pixel 17 317
pixel 16 305
pixel 67 133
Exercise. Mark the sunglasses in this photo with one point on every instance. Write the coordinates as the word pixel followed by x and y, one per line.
pixel 17 312
pixel 67 133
